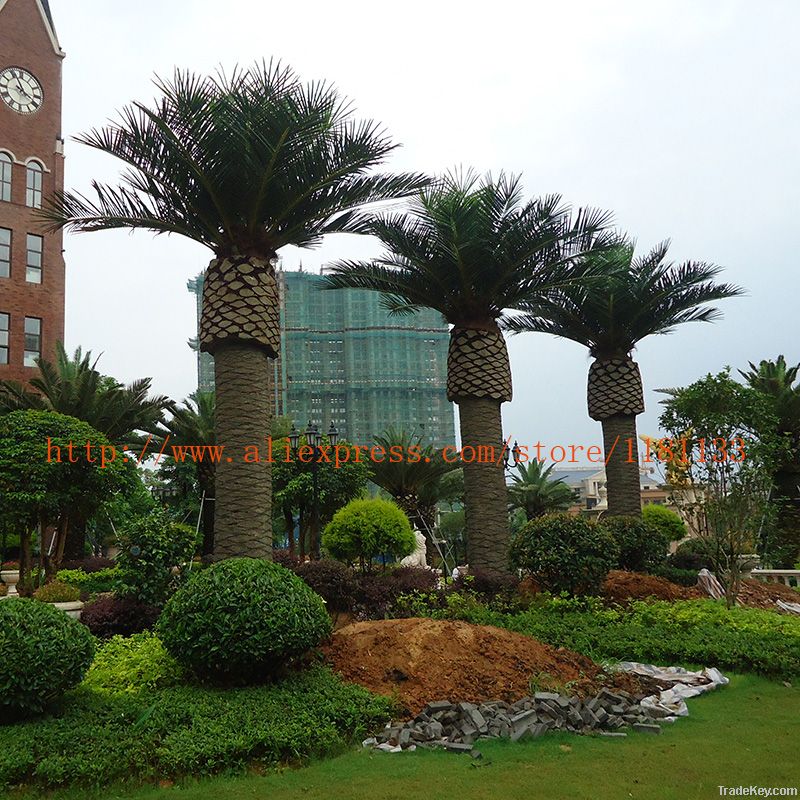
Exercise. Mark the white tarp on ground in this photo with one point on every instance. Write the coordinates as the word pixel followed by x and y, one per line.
pixel 672 702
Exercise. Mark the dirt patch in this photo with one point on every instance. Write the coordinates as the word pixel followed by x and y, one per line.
pixel 421 660
pixel 621 586
pixel 757 594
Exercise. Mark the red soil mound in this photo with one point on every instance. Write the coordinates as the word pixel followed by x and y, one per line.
pixel 422 660
pixel 621 586
pixel 758 594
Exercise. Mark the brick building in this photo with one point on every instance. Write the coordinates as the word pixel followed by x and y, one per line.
pixel 31 169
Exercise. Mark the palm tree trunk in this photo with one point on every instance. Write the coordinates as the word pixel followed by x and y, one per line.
pixel 622 469
pixel 240 327
pixel 485 492
pixel 243 490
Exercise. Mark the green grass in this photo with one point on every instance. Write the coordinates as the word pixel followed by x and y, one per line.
pixel 745 734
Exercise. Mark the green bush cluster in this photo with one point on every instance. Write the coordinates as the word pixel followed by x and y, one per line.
pixel 241 620
pixel 57 592
pixel 103 580
pixel 43 653
pixel 154 557
pixel 365 529
pixel 173 732
pixel 665 520
pixel 642 546
pixel 130 664
pixel 565 553
pixel 684 632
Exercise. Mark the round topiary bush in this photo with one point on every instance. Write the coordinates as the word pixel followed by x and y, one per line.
pixel 666 520
pixel 365 529
pixel 565 553
pixel 642 547
pixel 241 620
pixel 43 652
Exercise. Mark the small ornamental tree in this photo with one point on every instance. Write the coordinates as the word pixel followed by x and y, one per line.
pixel 50 464
pixel 666 520
pixel 153 557
pixel 565 553
pixel 364 529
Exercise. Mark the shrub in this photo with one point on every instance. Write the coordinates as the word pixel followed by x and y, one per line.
pixel 332 580
pixel 641 546
pixel 683 577
pixel 102 580
pixel 692 554
pixel 241 620
pixel 129 664
pixel 487 583
pixel 90 564
pixel 286 559
pixel 565 553
pixel 374 596
pixel 154 553
pixel 43 652
pixel 167 733
pixel 57 592
pixel 118 616
pixel 666 520
pixel 364 529
pixel 412 579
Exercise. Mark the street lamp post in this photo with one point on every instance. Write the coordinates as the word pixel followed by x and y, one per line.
pixel 514 454
pixel 313 439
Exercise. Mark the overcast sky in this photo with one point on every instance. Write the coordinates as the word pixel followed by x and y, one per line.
pixel 682 118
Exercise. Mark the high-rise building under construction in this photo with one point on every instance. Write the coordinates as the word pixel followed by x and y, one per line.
pixel 344 359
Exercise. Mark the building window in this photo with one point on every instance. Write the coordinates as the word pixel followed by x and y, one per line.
pixel 33 341
pixel 34 185
pixel 5 177
pixel 5 324
pixel 34 262
pixel 5 252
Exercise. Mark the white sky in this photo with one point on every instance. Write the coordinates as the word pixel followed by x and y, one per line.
pixel 681 117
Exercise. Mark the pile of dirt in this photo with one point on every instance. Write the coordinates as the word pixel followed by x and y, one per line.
pixel 621 586
pixel 757 594
pixel 418 661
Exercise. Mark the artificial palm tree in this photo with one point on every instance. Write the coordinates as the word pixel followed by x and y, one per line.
pixel 626 300
pixel 414 480
pixel 244 164
pixel 535 493
pixel 192 426
pixel 471 248
pixel 778 380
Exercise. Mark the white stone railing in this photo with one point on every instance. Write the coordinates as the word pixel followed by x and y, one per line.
pixel 788 577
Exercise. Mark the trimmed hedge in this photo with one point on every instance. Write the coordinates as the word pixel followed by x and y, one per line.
pixel 656 632
pixel 241 620
pixel 43 653
pixel 96 582
pixel 173 732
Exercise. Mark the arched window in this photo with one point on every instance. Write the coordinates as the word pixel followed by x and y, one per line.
pixel 34 185
pixel 5 177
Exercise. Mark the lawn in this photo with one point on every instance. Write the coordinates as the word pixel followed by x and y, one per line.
pixel 745 734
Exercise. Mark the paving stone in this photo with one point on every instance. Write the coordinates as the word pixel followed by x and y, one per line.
pixel 457 747
pixel 438 706
pixel 613 734
pixel 545 696
pixel 645 728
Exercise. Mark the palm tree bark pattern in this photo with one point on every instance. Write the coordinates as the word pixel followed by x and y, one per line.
pixel 243 490
pixel 486 496
pixel 478 365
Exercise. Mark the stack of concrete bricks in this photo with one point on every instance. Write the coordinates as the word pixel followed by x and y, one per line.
pixel 457 726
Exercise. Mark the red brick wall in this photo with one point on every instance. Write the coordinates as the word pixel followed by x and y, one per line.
pixel 24 42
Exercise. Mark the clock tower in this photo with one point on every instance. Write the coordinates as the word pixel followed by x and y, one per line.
pixel 31 170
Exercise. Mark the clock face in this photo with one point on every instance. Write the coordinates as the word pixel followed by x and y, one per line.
pixel 20 90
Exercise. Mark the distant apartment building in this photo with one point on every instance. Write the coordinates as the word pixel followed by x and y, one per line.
pixel 345 360
pixel 589 486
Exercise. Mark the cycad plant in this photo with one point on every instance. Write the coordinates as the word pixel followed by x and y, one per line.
pixel 244 164
pixel 472 248
pixel 535 493
pixel 626 300
pixel 413 481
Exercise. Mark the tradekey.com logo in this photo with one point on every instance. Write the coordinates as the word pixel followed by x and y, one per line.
pixel 272 451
